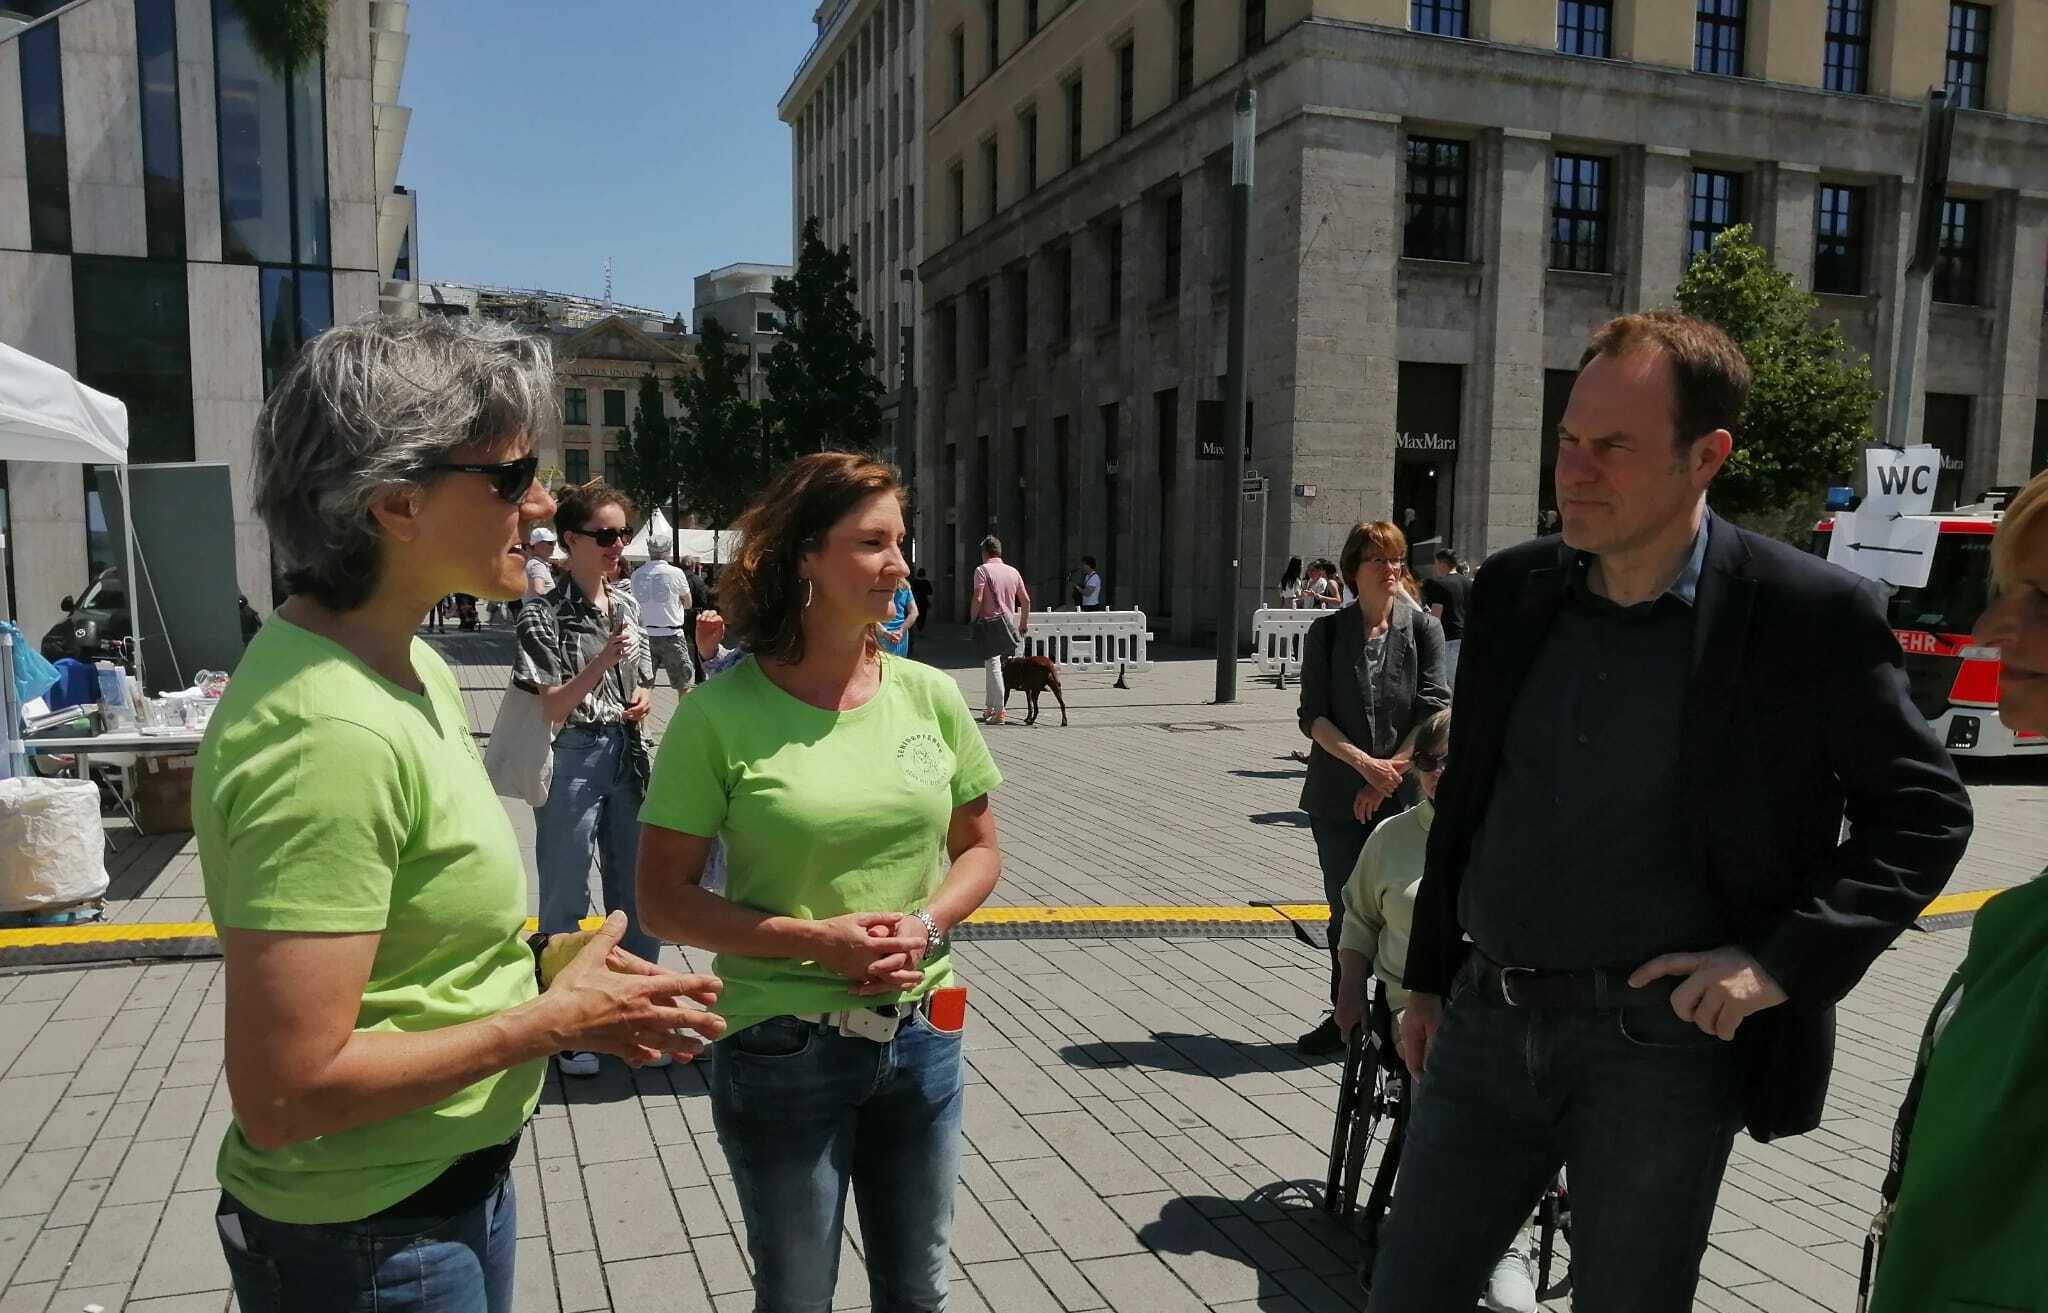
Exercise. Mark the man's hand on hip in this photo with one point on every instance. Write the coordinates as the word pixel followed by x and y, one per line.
pixel 1720 988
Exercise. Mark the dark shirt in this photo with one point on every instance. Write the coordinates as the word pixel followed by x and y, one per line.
pixel 921 592
pixel 1451 592
pixel 700 591
pixel 1581 860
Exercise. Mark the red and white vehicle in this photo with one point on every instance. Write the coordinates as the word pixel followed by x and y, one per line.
pixel 1954 682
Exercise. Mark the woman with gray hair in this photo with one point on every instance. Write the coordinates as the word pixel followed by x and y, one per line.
pixel 387 1025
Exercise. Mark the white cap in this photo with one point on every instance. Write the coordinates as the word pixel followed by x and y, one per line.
pixel 539 536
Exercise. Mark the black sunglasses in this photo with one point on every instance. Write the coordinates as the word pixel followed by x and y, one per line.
pixel 509 478
pixel 605 537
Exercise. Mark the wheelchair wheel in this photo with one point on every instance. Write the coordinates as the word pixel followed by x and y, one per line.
pixel 1553 1219
pixel 1365 1119
pixel 1351 1093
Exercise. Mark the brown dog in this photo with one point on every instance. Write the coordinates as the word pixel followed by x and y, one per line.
pixel 1035 676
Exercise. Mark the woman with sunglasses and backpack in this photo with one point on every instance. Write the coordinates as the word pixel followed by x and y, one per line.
pixel 387 1018
pixel 582 654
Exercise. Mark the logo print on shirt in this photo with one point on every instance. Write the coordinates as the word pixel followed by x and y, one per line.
pixel 925 760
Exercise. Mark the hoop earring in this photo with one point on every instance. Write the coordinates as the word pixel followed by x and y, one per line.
pixel 809 592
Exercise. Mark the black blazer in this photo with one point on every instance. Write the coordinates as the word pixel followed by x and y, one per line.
pixel 1410 685
pixel 1797 718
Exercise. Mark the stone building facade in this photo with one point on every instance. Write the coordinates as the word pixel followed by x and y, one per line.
pixel 741 298
pixel 857 161
pixel 1450 195
pixel 175 221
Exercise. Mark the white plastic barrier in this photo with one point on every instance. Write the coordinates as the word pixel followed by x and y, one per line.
pixel 1082 641
pixel 1277 636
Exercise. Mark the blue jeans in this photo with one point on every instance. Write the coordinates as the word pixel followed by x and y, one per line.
pixel 460 1264
pixel 1338 844
pixel 1641 1109
pixel 593 807
pixel 803 1111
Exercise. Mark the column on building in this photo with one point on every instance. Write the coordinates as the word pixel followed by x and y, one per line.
pixel 1785 218
pixel 100 93
pixel 223 309
pixel 2013 365
pixel 1661 246
pixel 45 501
pixel 199 134
pixel 1499 470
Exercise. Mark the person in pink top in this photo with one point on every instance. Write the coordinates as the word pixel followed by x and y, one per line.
pixel 1001 615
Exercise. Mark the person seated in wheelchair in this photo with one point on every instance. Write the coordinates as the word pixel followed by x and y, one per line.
pixel 1379 909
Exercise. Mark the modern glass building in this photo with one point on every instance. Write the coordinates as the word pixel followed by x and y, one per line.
pixel 176 219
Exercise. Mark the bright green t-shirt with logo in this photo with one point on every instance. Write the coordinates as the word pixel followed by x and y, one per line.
pixel 823 813
pixel 329 800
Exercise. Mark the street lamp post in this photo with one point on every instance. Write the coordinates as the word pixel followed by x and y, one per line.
pixel 1243 145
pixel 906 425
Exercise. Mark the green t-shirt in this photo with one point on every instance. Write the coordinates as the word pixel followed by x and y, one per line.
pixel 329 800
pixel 822 813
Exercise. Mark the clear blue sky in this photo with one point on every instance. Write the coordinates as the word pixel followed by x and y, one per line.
pixel 547 136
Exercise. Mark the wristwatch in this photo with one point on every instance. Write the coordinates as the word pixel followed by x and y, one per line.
pixel 539 944
pixel 932 937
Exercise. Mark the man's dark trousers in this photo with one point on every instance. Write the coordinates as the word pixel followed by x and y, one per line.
pixel 1642 1103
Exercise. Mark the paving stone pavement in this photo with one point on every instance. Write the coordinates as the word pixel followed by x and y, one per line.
pixel 1140 1135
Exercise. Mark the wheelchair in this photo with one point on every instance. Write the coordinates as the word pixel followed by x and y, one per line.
pixel 1374 1101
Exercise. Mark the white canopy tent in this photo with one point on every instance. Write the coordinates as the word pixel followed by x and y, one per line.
pixel 707 545
pixel 47 415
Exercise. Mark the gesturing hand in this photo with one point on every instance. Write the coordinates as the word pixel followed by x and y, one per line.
pixel 873 948
pixel 710 633
pixel 1720 988
pixel 1419 1021
pixel 607 1000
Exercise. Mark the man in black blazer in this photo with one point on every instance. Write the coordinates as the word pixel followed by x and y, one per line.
pixel 1640 904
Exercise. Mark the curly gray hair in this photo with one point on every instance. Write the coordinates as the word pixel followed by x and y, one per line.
pixel 373 405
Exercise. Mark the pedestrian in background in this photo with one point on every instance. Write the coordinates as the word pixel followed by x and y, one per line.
pixel 540 564
pixel 700 602
pixel 921 593
pixel 1001 613
pixel 581 653
pixel 851 791
pixel 387 1021
pixel 661 589
pixel 1662 724
pixel 1972 1201
pixel 1290 584
pixel 895 632
pixel 1445 593
pixel 1370 672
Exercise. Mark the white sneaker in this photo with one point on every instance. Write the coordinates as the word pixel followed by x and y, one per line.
pixel 1511 1289
pixel 577 1064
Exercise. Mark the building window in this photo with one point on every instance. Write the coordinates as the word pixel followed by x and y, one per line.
pixel 163 150
pixel 576 465
pixel 766 322
pixel 614 407
pixel 297 306
pixel 983 326
pixel 1969 53
pixel 575 406
pixel 1578 213
pixel 1437 17
pixel 273 151
pixel 1717 39
pixel 1017 292
pixel 1184 49
pixel 42 113
pixel 1845 66
pixel 949 342
pixel 1585 27
pixel 959 64
pixel 1126 86
pixel 1716 204
pixel 1027 149
pixel 909 219
pixel 1113 259
pixel 1169 247
pixel 894 232
pixel 1961 251
pixel 1254 26
pixel 894 135
pixel 1073 123
pixel 911 115
pixel 134 341
pixel 956 195
pixel 1838 241
pixel 1063 292
pixel 1439 199
pixel 401 268
pixel 991 192
pixel 994 14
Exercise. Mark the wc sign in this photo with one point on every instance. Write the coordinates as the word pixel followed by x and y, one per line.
pixel 1901 482
pixel 1881 539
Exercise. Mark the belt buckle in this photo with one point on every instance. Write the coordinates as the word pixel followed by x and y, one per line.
pixel 1507 974
pixel 871 1024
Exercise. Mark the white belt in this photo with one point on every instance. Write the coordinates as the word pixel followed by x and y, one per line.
pixel 661 631
pixel 864 1023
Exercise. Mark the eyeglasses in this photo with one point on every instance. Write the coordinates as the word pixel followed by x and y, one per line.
pixel 606 537
pixel 509 478
pixel 1428 762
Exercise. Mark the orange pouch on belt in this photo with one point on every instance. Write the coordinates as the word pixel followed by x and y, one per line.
pixel 948 1009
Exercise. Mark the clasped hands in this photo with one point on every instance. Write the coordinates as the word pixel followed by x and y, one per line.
pixel 879 952
pixel 1382 779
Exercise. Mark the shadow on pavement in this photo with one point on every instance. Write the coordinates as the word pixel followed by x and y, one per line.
pixel 1296 819
pixel 1269 774
pixel 1204 1055
pixel 1280 1231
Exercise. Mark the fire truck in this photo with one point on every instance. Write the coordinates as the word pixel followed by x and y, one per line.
pixel 1954 682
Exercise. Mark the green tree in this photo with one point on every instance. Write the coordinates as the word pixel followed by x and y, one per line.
pixel 1811 396
pixel 727 453
pixel 822 391
pixel 649 460
pixel 285 34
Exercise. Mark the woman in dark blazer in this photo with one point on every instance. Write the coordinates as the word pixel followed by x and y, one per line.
pixel 1370 672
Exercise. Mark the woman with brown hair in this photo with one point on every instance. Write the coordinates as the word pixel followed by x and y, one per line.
pixel 1370 672
pixel 850 789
